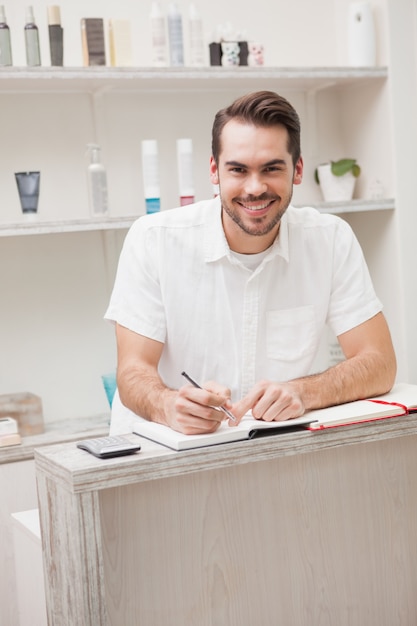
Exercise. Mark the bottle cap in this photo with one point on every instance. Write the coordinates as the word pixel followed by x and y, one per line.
pixel 30 19
pixel 150 146
pixel 94 150
pixel 184 145
pixel 173 8
pixel 2 15
pixel 193 13
pixel 54 15
pixel 156 9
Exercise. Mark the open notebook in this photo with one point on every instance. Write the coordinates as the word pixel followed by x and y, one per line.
pixel 399 401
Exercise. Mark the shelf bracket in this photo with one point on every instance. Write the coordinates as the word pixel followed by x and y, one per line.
pixel 312 125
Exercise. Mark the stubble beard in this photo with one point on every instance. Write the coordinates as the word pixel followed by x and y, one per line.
pixel 257 227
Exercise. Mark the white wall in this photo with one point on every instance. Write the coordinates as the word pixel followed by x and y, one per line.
pixel 54 289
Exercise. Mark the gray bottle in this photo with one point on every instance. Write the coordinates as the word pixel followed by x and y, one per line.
pixel 33 54
pixel 5 44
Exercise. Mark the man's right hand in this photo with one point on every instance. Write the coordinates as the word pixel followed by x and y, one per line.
pixel 193 411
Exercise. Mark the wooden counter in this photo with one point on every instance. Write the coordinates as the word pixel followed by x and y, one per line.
pixel 60 431
pixel 18 493
pixel 298 528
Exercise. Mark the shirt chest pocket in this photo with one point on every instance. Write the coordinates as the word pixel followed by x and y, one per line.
pixel 291 334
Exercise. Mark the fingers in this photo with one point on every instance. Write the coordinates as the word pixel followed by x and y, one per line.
pixel 197 410
pixel 212 395
pixel 270 402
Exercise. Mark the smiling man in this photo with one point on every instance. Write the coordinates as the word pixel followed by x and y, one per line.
pixel 238 290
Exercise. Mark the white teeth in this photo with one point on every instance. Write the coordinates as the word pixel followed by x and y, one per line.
pixel 258 207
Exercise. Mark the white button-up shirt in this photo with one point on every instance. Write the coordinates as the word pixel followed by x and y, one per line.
pixel 179 283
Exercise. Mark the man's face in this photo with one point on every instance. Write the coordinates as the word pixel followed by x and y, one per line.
pixel 256 175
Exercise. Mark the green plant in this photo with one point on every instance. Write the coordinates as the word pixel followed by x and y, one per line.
pixel 341 167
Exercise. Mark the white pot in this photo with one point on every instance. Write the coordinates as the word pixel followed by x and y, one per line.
pixel 335 188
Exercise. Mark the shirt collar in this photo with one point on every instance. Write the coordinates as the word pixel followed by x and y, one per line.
pixel 215 243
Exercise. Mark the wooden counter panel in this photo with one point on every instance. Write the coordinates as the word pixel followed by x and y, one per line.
pixel 327 537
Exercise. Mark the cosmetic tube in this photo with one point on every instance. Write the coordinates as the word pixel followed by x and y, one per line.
pixel 185 170
pixel 151 175
pixel 28 187
pixel 33 54
pixel 5 43
pixel 56 36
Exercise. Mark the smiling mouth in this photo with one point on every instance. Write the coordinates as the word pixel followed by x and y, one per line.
pixel 256 206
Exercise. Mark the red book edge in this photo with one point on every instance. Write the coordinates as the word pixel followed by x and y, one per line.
pixel 315 426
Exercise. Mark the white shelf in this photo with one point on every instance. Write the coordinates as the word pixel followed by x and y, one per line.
pixel 101 79
pixel 117 223
pixel 356 206
pixel 40 227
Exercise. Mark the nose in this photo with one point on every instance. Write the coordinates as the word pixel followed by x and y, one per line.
pixel 255 184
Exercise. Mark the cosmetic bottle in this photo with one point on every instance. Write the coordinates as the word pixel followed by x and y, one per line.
pixel 97 182
pixel 33 54
pixel 151 175
pixel 361 35
pixel 120 43
pixel 92 41
pixel 28 187
pixel 5 43
pixel 197 48
pixel 175 37
pixel 185 171
pixel 56 35
pixel 158 36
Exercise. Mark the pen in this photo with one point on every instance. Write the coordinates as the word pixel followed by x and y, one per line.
pixel 221 408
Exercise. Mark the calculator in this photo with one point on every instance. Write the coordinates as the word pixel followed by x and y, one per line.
pixel 106 447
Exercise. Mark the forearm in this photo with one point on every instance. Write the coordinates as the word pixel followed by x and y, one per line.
pixel 143 392
pixel 361 376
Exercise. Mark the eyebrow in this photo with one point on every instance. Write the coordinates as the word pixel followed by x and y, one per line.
pixel 268 164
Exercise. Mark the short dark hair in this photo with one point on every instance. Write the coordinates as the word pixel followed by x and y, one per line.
pixel 261 108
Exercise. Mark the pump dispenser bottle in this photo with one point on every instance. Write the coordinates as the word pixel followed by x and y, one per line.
pixel 97 182
pixel 33 55
pixel 5 44
pixel 175 36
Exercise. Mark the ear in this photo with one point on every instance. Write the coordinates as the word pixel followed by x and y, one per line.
pixel 298 171
pixel 214 176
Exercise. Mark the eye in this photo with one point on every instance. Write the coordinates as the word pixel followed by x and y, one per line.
pixel 274 168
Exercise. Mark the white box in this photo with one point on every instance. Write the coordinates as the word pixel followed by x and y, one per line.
pixel 8 426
